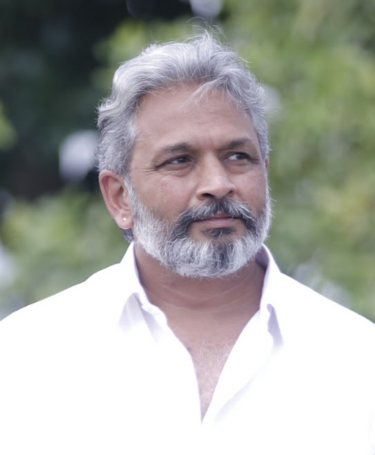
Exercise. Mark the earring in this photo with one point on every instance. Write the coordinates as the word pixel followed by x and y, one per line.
pixel 124 219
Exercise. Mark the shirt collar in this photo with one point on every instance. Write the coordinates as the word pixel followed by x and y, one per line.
pixel 129 267
pixel 268 304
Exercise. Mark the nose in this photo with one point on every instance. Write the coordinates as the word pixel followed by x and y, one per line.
pixel 214 181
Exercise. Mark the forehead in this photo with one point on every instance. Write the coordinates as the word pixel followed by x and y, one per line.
pixel 187 109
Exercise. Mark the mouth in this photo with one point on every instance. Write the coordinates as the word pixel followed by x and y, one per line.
pixel 218 220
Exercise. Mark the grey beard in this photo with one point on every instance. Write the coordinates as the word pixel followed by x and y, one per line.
pixel 170 244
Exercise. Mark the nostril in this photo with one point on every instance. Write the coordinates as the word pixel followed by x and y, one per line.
pixel 215 185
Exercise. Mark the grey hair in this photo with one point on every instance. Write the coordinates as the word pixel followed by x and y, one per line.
pixel 200 60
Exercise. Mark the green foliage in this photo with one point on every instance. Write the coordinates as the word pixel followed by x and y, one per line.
pixel 7 133
pixel 320 59
pixel 317 59
pixel 127 40
pixel 58 242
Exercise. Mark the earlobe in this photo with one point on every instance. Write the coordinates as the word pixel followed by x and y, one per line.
pixel 116 198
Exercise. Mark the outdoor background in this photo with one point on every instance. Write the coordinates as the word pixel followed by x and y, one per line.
pixel 317 60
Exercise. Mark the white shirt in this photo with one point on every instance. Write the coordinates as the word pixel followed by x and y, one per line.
pixel 96 370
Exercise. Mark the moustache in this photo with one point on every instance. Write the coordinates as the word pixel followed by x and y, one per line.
pixel 227 207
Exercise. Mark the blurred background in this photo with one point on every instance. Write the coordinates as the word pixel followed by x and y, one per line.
pixel 317 62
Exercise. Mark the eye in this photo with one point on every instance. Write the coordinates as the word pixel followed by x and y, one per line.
pixel 237 156
pixel 241 156
pixel 175 163
pixel 179 160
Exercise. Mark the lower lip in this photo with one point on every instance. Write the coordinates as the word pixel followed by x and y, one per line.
pixel 217 222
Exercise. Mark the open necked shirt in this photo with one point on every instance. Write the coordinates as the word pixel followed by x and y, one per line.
pixel 96 369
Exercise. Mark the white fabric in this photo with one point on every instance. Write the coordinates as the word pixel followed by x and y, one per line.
pixel 96 370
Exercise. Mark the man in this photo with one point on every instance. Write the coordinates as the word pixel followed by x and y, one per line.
pixel 196 342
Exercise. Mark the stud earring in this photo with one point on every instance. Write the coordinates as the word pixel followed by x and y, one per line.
pixel 124 219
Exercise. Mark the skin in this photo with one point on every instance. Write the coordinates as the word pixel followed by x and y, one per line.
pixel 187 153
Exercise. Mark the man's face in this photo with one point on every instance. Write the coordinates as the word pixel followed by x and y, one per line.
pixel 198 178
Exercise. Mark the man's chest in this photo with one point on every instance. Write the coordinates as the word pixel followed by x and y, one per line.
pixel 123 400
pixel 209 359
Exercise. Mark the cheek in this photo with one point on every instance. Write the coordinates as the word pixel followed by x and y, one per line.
pixel 174 196
pixel 254 188
pixel 165 196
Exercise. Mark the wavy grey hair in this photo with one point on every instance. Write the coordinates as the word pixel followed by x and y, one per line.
pixel 200 60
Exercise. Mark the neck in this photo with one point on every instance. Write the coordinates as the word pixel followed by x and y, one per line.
pixel 206 315
pixel 198 296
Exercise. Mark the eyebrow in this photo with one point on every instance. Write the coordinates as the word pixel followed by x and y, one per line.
pixel 187 146
pixel 238 143
pixel 179 147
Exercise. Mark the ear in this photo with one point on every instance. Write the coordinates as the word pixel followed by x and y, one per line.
pixel 116 198
pixel 266 163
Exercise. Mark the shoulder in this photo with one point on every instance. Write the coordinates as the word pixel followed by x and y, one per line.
pixel 66 310
pixel 312 319
pixel 315 305
pixel 303 311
